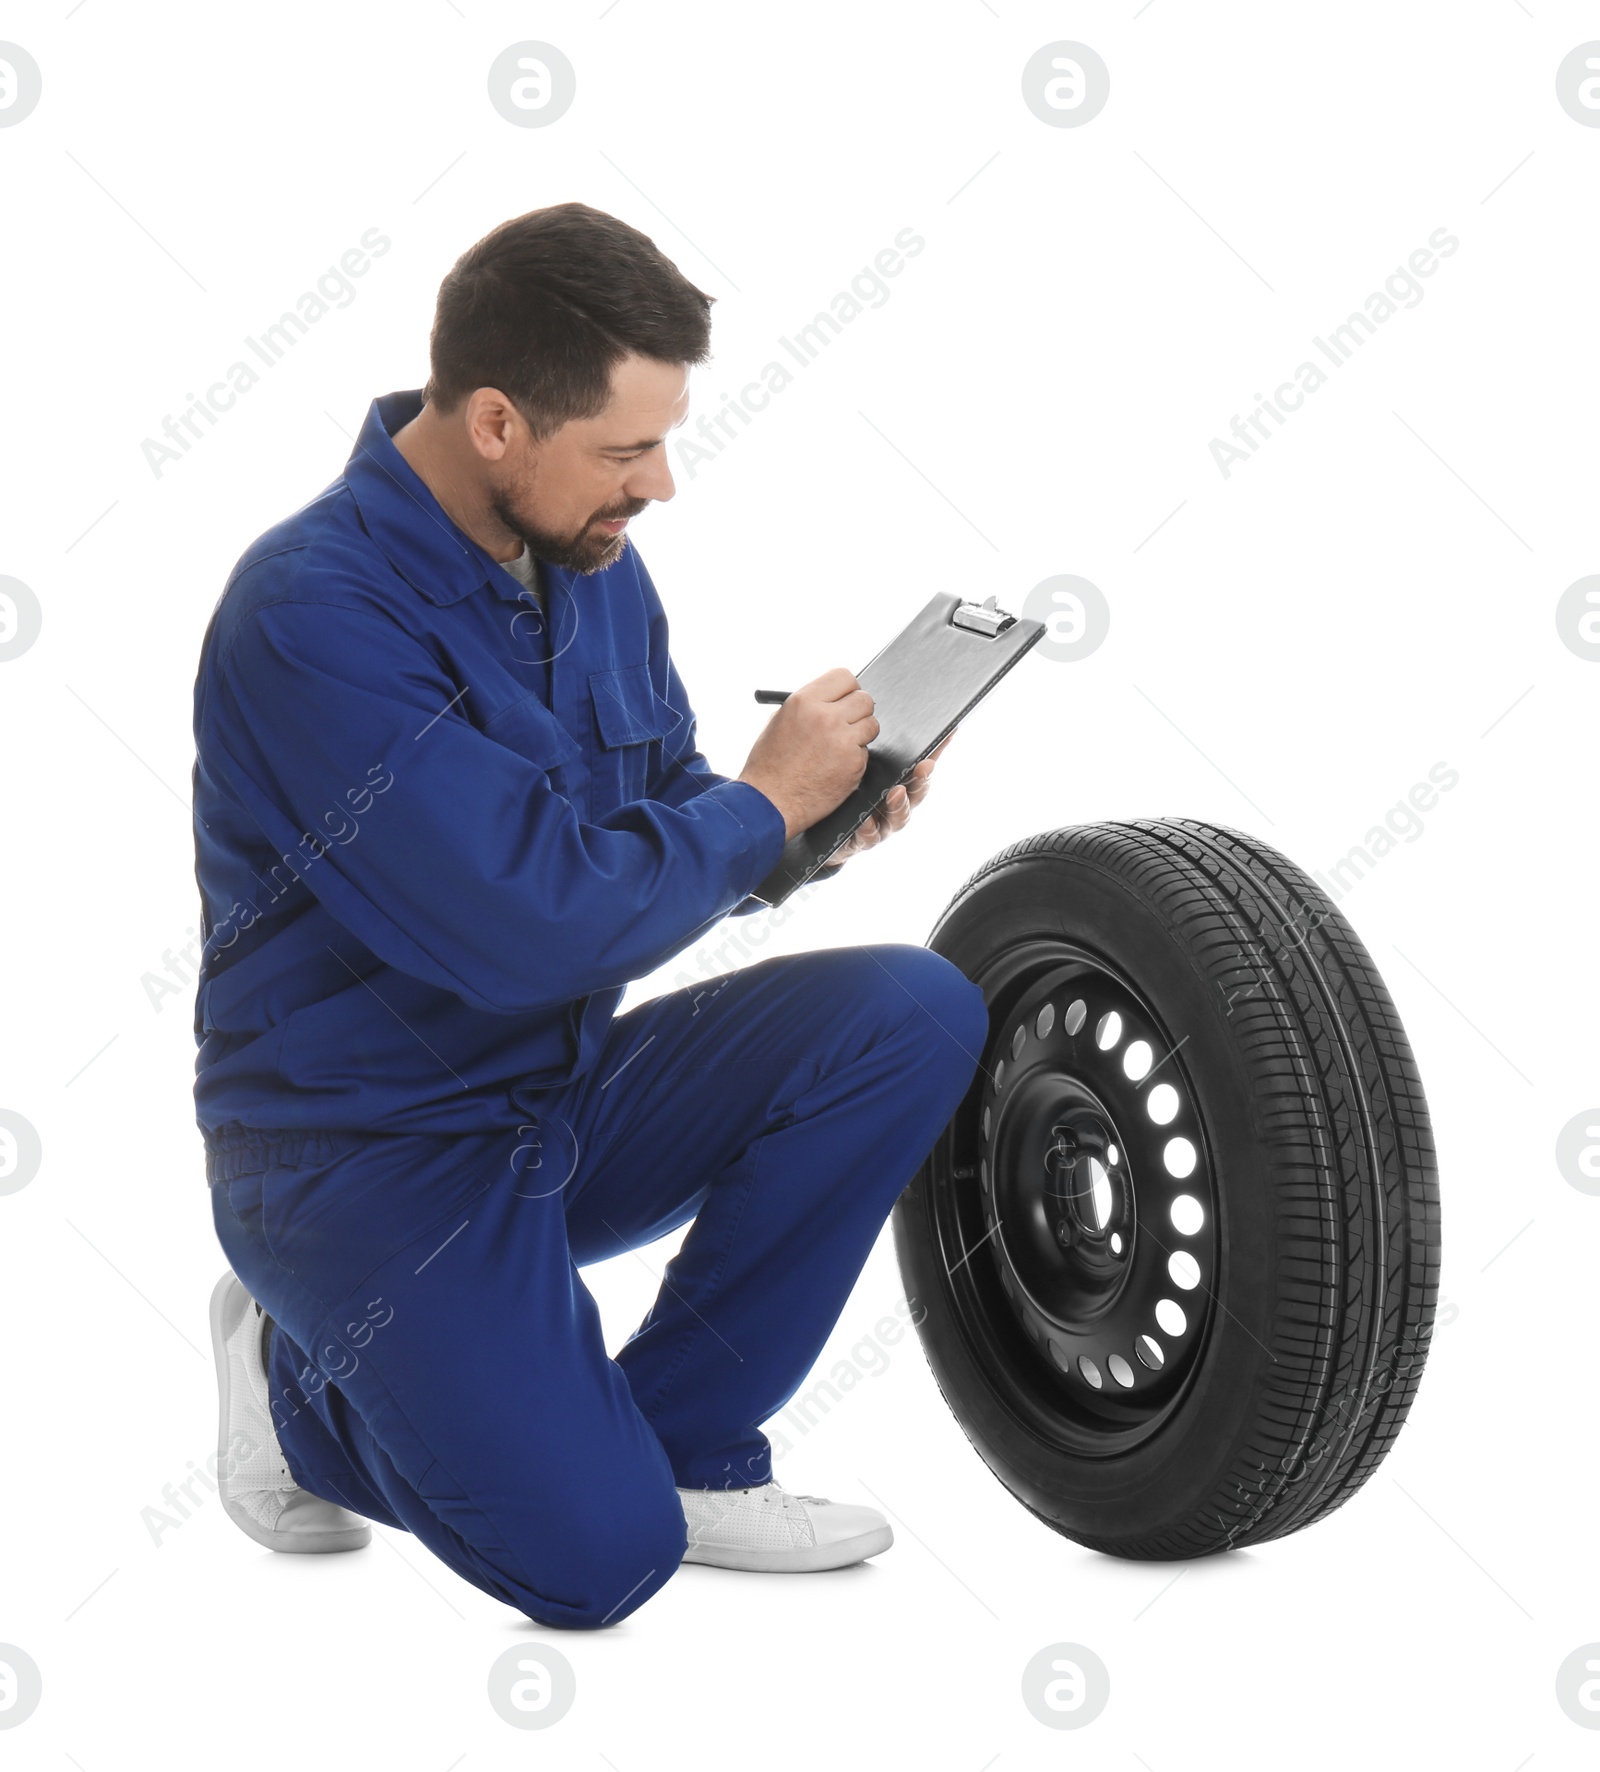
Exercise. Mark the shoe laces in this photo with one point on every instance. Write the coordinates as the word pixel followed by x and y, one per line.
pixel 817 1500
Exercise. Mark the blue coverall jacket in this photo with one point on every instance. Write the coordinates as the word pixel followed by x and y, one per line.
pixel 437 831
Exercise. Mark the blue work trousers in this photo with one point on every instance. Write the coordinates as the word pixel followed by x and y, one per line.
pixel 437 1362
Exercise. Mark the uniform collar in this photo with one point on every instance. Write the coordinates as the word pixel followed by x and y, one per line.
pixel 429 551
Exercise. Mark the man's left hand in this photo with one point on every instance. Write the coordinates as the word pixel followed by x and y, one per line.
pixel 893 810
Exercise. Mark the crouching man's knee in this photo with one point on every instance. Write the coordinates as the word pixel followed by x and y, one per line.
pixel 955 1019
pixel 609 1566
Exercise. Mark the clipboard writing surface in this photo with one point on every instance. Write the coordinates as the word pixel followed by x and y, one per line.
pixel 922 684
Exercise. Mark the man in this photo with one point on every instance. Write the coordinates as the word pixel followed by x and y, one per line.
pixel 447 804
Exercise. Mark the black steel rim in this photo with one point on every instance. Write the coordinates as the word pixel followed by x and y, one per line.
pixel 1077 1204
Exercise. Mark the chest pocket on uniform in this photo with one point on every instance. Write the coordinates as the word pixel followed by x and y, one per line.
pixel 627 716
pixel 528 727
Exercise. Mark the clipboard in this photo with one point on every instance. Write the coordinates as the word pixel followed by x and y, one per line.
pixel 923 684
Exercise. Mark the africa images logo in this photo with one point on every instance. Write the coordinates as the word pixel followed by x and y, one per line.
pixel 1401 289
pixel 334 289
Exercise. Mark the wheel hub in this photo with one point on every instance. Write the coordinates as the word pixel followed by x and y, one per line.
pixel 1082 1189
pixel 1064 1211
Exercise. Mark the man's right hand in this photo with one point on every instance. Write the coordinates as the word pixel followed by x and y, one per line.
pixel 812 753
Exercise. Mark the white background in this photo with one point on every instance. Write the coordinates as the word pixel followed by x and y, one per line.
pixel 1291 648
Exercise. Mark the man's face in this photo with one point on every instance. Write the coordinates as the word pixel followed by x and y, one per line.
pixel 569 498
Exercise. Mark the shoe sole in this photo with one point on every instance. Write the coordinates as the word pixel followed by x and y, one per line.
pixel 801 1560
pixel 229 1302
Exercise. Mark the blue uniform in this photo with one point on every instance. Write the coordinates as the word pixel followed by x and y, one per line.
pixel 438 830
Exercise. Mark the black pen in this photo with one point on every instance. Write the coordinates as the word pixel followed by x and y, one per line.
pixel 772 695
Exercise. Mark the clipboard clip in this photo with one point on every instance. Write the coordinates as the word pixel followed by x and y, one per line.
pixel 981 618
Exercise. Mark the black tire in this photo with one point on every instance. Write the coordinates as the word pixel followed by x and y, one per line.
pixel 1039 1230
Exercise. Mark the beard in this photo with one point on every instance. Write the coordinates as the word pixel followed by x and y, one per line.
pixel 590 550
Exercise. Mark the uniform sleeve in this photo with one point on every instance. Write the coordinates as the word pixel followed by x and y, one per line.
pixel 449 854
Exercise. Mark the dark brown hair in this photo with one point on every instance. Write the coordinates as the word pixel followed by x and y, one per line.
pixel 545 304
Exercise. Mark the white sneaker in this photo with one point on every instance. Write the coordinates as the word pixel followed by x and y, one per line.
pixel 258 1494
pixel 769 1530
